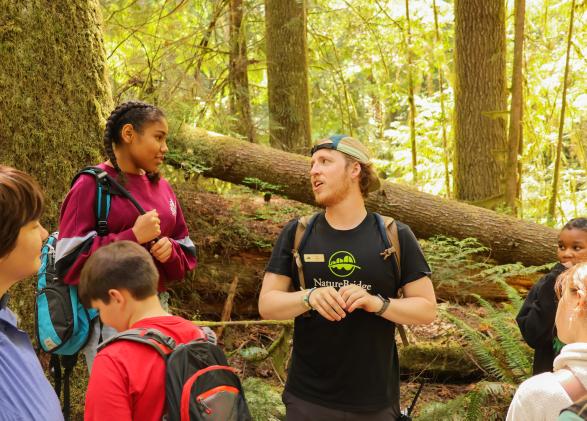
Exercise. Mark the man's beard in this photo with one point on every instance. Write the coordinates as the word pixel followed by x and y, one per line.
pixel 336 196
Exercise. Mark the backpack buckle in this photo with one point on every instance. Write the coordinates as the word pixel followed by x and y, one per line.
pixel 102 228
pixel 387 252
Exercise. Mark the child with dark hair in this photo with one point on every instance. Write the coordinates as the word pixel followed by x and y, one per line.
pixel 25 393
pixel 128 379
pixel 135 141
pixel 536 317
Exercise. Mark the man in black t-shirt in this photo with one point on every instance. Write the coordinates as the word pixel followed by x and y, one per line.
pixel 344 363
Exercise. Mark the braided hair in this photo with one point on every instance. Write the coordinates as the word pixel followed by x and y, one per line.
pixel 136 113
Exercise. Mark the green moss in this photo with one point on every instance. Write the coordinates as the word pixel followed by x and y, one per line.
pixel 441 360
pixel 54 99
pixel 54 93
pixel 264 400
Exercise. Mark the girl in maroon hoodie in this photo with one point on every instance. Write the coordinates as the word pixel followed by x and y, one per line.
pixel 135 141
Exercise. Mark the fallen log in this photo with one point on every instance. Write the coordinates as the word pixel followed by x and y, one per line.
pixel 510 239
pixel 228 231
pixel 441 362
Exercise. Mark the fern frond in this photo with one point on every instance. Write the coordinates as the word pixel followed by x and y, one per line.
pixel 452 410
pixel 487 401
pixel 513 295
pixel 511 351
pixel 481 347
pixel 476 400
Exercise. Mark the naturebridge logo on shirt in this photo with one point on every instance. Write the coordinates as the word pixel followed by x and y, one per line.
pixel 342 264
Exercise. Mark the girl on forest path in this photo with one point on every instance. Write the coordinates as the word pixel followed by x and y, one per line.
pixel 542 397
pixel 536 317
pixel 135 141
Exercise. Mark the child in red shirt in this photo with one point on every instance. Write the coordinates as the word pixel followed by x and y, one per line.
pixel 127 381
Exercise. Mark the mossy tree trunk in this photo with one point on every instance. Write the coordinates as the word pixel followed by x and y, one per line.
pixel 480 101
pixel 439 65
pixel 287 74
pixel 54 93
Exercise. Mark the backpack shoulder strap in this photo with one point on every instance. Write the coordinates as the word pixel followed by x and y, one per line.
pixel 104 184
pixel 571 383
pixel 388 229
pixel 102 196
pixel 163 344
pixel 303 229
pixel 93 171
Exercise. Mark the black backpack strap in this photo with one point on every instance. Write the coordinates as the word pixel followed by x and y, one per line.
pixel 105 187
pixel 102 197
pixel 163 344
pixel 55 368
pixel 68 363
pixel 303 229
pixel 119 189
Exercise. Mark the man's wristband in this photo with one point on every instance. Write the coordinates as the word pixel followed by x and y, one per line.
pixel 306 299
pixel 385 304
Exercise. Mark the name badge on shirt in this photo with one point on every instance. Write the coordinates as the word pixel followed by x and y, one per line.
pixel 314 258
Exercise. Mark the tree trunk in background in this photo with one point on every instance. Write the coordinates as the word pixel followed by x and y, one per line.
pixel 559 144
pixel 54 93
pixel 439 64
pixel 480 100
pixel 287 73
pixel 512 194
pixel 240 104
pixel 510 239
pixel 411 101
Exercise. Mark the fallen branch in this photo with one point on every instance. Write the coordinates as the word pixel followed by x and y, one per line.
pixel 244 323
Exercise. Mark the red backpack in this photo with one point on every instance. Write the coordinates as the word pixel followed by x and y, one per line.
pixel 199 383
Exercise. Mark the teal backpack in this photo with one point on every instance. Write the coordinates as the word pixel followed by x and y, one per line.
pixel 62 324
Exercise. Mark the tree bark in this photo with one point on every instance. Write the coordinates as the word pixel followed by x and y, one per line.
pixel 54 93
pixel 287 73
pixel 510 239
pixel 516 111
pixel 442 107
pixel 480 100
pixel 240 103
